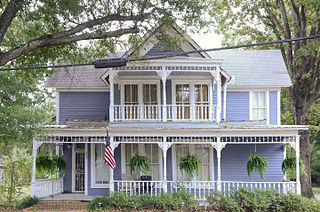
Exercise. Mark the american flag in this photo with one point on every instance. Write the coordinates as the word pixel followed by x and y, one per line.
pixel 108 154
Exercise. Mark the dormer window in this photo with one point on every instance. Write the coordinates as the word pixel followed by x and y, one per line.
pixel 259 106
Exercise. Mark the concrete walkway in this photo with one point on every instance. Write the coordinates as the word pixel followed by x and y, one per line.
pixel 68 197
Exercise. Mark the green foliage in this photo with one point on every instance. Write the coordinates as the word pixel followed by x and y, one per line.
pixel 289 167
pixel 16 174
pixel 190 164
pixel 47 166
pixel 164 202
pixel 139 163
pixel 27 202
pixel 256 163
pixel 262 201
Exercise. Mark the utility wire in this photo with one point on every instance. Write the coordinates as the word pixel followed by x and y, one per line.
pixel 167 56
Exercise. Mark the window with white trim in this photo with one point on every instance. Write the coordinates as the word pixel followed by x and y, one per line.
pixel 100 171
pixel 259 106
pixel 149 150
pixel 203 152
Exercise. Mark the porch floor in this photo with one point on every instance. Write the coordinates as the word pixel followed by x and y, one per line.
pixel 69 197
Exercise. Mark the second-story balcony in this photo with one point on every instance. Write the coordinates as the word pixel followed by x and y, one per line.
pixel 197 112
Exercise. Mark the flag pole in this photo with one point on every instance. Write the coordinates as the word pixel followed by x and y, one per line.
pixel 111 177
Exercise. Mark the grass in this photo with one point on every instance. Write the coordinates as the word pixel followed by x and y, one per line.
pixel 316 190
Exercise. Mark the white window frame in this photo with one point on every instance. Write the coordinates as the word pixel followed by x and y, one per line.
pixel 141 151
pixel 93 173
pixel 174 162
pixel 267 104
pixel 140 84
pixel 192 84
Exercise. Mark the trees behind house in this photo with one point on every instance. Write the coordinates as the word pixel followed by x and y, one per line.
pixel 45 31
pixel 260 21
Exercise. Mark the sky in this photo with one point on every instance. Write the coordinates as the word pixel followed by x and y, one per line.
pixel 208 40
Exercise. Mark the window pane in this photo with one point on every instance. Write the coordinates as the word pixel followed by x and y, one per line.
pixel 204 93
pixel 261 99
pixel 101 170
pixel 255 99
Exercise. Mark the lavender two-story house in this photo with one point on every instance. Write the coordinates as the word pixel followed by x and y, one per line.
pixel 221 106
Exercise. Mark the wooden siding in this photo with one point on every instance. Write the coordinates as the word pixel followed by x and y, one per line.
pixel 234 160
pixel 273 112
pixel 237 105
pixel 83 106
pixel 67 180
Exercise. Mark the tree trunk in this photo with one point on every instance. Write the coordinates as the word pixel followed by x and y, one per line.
pixel 300 110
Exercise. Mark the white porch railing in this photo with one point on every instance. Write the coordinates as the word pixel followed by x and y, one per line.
pixel 281 187
pixel 47 187
pixel 202 112
pixel 199 190
pixel 139 187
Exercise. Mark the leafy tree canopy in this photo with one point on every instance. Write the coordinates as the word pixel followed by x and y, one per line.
pixel 259 21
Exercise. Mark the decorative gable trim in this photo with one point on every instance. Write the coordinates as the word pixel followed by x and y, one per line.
pixel 148 43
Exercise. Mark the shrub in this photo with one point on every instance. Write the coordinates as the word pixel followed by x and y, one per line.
pixel 27 202
pixel 260 200
pixel 165 202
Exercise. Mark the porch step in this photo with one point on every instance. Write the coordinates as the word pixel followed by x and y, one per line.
pixel 58 206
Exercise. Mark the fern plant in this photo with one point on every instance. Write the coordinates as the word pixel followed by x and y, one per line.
pixel 289 167
pixel 139 163
pixel 190 164
pixel 258 164
pixel 47 166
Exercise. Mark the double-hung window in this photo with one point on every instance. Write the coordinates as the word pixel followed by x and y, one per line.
pixel 100 171
pixel 259 106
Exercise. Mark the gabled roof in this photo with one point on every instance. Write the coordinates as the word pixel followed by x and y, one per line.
pixel 76 77
pixel 254 68
pixel 149 42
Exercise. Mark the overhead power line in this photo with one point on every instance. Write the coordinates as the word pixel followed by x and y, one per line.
pixel 118 62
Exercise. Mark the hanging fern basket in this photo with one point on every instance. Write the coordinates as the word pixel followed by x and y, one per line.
pixel 289 167
pixel 46 165
pixel 190 165
pixel 139 164
pixel 257 164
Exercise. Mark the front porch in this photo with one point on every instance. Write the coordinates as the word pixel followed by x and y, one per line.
pixel 221 154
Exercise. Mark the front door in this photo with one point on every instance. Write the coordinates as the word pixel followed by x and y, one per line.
pixel 79 168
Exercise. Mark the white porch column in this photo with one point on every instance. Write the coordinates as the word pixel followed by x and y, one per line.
pixel 111 182
pixel 111 88
pixel 219 147
pixel 33 179
pixel 164 74
pixel 225 101
pixel 164 99
pixel 297 164
pixel 218 80
pixel 164 145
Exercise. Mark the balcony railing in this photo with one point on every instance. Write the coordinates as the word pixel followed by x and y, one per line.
pixel 198 112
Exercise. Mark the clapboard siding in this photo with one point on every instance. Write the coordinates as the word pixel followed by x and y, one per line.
pixel 83 106
pixel 67 179
pixel 237 105
pixel 273 112
pixel 234 158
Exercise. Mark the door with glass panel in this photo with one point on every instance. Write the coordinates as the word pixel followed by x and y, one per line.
pixel 131 102
pixel 150 102
pixel 201 100
pixel 79 169
pixel 182 101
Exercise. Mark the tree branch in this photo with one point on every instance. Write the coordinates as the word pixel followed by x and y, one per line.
pixel 53 40
pixel 8 15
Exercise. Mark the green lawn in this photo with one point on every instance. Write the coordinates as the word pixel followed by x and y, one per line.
pixel 316 190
